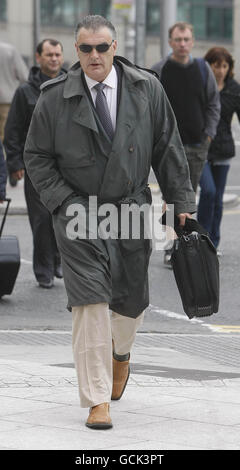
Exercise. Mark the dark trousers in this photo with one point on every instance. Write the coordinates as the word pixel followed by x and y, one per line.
pixel 45 252
pixel 196 157
pixel 212 184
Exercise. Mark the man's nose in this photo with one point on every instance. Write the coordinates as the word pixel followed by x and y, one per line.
pixel 94 53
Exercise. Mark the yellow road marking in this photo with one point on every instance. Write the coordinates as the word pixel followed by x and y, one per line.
pixel 228 328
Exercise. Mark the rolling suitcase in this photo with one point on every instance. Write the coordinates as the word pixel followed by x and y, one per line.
pixel 9 258
pixel 196 270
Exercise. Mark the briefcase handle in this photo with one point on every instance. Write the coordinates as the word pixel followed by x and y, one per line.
pixel 191 225
pixel 8 200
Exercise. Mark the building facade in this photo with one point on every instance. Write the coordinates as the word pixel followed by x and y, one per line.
pixel 215 22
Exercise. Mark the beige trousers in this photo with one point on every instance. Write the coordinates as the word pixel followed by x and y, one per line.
pixel 93 329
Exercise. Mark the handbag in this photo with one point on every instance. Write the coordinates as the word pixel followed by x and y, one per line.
pixel 196 270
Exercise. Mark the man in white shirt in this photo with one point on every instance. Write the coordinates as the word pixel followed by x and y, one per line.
pixel 110 92
pixel 96 133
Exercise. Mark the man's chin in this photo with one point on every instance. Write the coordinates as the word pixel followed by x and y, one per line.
pixel 52 72
pixel 95 72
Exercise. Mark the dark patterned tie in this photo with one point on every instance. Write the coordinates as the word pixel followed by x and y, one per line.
pixel 103 111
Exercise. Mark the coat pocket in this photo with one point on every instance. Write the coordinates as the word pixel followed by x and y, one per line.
pixel 78 160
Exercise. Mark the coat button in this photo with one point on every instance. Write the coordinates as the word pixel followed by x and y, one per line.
pixel 131 149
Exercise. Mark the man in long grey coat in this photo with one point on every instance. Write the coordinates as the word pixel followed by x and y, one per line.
pixel 90 146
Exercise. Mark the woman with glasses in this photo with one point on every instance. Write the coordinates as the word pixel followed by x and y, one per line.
pixel 221 150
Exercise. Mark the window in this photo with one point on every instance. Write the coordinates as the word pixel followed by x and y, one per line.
pixel 100 8
pixel 219 21
pixel 62 12
pixel 3 10
pixel 212 19
pixel 68 12
pixel 153 17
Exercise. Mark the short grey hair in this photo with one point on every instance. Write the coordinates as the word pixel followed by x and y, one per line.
pixel 95 22
pixel 182 25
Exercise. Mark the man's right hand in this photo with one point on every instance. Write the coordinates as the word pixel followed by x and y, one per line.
pixel 18 175
pixel 182 218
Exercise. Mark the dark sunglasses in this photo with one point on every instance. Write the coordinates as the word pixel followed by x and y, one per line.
pixel 87 48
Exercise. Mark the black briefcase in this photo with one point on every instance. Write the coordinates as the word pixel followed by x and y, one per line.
pixel 196 270
pixel 9 259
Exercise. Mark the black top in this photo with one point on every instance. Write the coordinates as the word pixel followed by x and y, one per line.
pixel 186 92
pixel 222 146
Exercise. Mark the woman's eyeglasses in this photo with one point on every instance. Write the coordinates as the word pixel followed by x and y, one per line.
pixel 101 48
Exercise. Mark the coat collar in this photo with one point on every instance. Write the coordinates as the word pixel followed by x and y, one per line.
pixel 133 101
pixel 74 86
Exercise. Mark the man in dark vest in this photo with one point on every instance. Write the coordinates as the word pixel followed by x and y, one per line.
pixel 192 91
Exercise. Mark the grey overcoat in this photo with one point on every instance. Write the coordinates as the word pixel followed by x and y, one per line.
pixel 67 151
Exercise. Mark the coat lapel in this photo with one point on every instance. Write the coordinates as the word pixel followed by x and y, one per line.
pixel 133 104
pixel 83 115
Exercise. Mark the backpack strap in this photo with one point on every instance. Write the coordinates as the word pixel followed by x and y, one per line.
pixel 203 69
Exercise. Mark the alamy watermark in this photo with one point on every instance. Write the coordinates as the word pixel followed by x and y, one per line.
pixel 124 221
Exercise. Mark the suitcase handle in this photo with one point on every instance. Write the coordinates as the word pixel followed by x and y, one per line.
pixel 8 200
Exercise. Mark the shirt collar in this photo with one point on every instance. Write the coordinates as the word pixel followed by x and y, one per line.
pixel 110 80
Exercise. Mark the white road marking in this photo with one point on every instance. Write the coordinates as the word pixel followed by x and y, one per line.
pixel 179 316
pixel 25 261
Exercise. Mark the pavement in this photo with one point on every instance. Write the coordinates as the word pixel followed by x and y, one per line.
pixel 183 392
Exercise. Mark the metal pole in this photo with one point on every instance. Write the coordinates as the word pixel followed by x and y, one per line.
pixel 118 21
pixel 168 15
pixel 36 26
pixel 140 41
pixel 236 36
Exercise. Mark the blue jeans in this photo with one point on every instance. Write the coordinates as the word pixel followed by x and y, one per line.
pixel 212 184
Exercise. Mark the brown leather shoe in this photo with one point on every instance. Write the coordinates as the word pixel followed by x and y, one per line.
pixel 121 371
pixel 99 417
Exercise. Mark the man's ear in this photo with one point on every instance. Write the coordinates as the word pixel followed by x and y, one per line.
pixel 38 57
pixel 115 46
pixel 77 49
